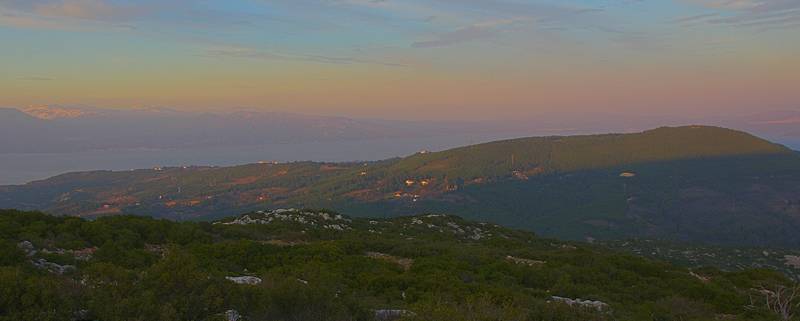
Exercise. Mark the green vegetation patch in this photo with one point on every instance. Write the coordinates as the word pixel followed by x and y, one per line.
pixel 320 265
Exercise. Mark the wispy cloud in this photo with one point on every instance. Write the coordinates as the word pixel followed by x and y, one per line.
pixel 27 21
pixel 35 78
pixel 537 10
pixel 98 10
pixel 784 121
pixel 726 4
pixel 459 21
pixel 252 53
pixel 753 13
pixel 71 14
pixel 695 18
pixel 90 10
pixel 101 14
pixel 486 29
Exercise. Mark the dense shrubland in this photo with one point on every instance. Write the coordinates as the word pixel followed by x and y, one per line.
pixel 320 266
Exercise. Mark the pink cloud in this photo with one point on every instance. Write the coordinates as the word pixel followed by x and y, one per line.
pixel 89 10
pixel 785 121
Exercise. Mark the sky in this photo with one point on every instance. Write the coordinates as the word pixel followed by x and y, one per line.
pixel 405 59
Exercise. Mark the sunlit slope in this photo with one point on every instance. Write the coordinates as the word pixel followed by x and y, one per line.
pixel 573 153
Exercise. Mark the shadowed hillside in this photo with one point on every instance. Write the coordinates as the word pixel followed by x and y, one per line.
pixel 672 183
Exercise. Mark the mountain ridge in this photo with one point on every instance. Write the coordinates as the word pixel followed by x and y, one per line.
pixel 611 186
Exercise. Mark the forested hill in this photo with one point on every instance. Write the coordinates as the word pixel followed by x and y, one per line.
pixel 318 265
pixel 672 183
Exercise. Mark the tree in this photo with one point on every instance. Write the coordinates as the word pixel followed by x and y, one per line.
pixel 781 299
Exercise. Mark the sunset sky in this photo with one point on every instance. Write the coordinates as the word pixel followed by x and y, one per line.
pixel 404 59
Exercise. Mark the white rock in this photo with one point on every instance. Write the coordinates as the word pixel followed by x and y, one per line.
pixel 250 280
pixel 27 247
pixel 53 267
pixel 597 305
pixel 232 315
pixel 392 314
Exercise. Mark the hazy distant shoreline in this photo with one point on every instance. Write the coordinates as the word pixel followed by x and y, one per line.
pixel 20 168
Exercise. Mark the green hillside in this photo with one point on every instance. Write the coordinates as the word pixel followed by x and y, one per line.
pixel 576 153
pixel 693 183
pixel 318 265
pixel 752 200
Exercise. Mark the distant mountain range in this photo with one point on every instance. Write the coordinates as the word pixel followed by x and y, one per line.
pixel 692 183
